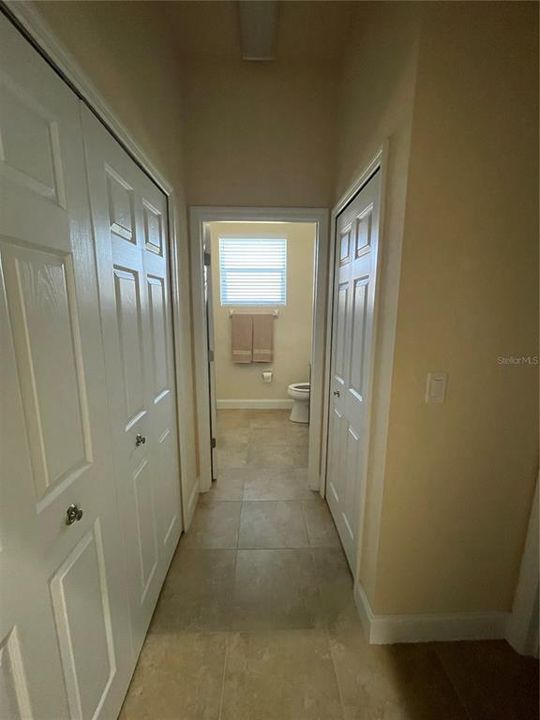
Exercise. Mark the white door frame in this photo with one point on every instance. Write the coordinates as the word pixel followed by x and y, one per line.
pixel 198 217
pixel 379 162
pixel 41 35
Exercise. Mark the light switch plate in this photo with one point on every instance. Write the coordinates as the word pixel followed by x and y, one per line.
pixel 436 387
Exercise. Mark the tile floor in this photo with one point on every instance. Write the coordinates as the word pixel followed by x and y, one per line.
pixel 256 619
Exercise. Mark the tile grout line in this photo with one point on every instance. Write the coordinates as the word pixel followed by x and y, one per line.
pixel 336 675
pixel 225 659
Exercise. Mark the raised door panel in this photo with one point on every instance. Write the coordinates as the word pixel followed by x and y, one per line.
pixel 81 602
pixel 340 321
pixel 30 154
pixel 158 336
pixel 356 360
pixel 14 696
pixel 130 334
pixel 44 320
pixel 143 492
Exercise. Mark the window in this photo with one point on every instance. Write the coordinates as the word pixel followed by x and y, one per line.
pixel 253 271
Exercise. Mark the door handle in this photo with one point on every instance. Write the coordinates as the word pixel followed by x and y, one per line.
pixel 73 514
pixel 139 440
pixel 337 393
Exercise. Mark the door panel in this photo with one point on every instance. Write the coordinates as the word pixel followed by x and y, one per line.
pixel 85 567
pixel 352 338
pixel 62 600
pixel 129 218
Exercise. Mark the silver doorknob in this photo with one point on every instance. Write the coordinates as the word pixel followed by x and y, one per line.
pixel 139 440
pixel 337 393
pixel 73 514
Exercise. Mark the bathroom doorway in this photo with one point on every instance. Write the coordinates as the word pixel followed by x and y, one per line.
pixel 259 279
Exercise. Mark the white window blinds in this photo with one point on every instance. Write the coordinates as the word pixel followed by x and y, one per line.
pixel 253 271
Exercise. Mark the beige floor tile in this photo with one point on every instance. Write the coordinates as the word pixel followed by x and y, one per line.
pixel 178 677
pixel 232 456
pixel 197 594
pixel 287 434
pixel 394 682
pixel 337 607
pixel 491 679
pixel 268 418
pixel 215 525
pixel 228 486
pixel 275 589
pixel 286 675
pixel 234 418
pixel 320 526
pixel 265 455
pixel 232 435
pixel 270 524
pixel 278 484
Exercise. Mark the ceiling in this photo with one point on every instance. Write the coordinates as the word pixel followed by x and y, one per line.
pixel 306 29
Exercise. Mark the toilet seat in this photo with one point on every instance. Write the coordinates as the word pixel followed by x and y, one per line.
pixel 300 387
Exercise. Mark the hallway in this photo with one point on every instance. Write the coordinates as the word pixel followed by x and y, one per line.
pixel 256 620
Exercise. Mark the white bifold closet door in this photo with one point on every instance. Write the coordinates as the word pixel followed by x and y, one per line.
pixel 65 647
pixel 129 215
pixel 357 240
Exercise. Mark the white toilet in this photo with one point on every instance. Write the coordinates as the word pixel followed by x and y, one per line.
pixel 300 409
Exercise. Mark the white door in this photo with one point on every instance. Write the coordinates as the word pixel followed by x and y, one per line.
pixel 209 309
pixel 64 636
pixel 129 216
pixel 357 236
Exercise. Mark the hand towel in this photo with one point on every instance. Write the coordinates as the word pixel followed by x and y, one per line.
pixel 263 338
pixel 241 338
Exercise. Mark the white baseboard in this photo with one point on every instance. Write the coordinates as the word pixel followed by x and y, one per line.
pixel 285 404
pixel 389 629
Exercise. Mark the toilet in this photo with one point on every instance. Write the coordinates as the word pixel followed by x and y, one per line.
pixel 299 392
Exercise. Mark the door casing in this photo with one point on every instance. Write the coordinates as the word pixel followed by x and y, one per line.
pixel 199 216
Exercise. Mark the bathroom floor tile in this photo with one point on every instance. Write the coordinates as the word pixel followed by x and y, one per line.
pixel 178 677
pixel 275 589
pixel 392 681
pixel 286 675
pixel 229 456
pixel 269 524
pixel 215 525
pixel 337 607
pixel 268 418
pixel 320 526
pixel 278 484
pixel 197 592
pixel 228 486
pixel 271 456
pixel 492 680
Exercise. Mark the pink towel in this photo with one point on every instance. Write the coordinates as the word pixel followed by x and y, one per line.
pixel 263 338
pixel 241 338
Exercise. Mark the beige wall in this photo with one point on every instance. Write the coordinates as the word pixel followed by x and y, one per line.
pixel 128 52
pixel 259 133
pixel 292 330
pixel 460 476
